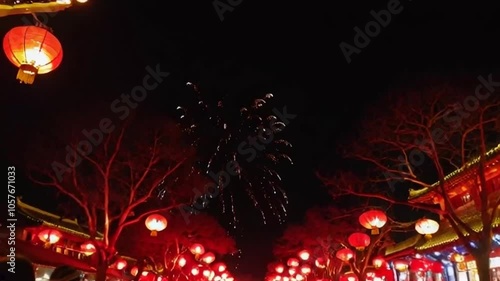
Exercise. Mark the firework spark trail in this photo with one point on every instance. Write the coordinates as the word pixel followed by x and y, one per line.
pixel 218 132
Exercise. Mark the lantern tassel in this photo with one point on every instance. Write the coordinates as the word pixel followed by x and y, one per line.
pixel 46 245
pixel 428 236
pixel 154 233
pixel 26 74
pixel 375 231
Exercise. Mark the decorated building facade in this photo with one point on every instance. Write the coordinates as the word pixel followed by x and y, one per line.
pixel 443 256
pixel 49 240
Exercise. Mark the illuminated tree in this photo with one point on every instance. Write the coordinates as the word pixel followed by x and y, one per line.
pixel 113 173
pixel 178 236
pixel 325 235
pixel 414 138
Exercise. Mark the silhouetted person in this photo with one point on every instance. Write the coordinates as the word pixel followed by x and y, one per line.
pixel 65 273
pixel 20 270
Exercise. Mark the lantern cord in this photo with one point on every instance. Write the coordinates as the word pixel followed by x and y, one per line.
pixel 39 23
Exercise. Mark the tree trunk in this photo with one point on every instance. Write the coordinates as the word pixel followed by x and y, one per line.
pixel 483 265
pixel 101 271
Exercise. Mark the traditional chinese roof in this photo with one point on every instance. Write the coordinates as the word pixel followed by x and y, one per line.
pixel 456 176
pixel 16 7
pixel 445 235
pixel 42 217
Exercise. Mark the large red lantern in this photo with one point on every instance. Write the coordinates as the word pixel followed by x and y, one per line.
pixel 359 240
pixel 155 223
pixel 373 219
pixel 34 50
pixel 49 236
pixel 344 255
pixel 426 227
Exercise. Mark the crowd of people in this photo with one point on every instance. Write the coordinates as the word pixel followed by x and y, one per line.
pixel 24 271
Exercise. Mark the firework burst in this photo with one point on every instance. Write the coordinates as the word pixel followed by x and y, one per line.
pixel 224 134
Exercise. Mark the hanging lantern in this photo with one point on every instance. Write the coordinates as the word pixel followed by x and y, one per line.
pixel 320 263
pixel 378 262
pixel 292 262
pixel 400 265
pixel 49 236
pixel 304 255
pixel 197 249
pixel 359 240
pixel 208 258
pixel 34 50
pixel 221 267
pixel 373 219
pixel 88 248
pixel 134 270
pixel 279 268
pixel 348 276
pixel 344 255
pixel 305 269
pixel 120 264
pixel 181 261
pixel 292 271
pixel 155 223
pixel 426 227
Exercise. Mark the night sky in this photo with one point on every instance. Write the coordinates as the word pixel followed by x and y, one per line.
pixel 288 48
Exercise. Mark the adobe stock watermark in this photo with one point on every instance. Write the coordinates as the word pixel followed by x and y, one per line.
pixel 372 29
pixel 121 107
pixel 454 117
pixel 223 6
pixel 248 148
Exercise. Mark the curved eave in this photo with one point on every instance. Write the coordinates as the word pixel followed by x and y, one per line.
pixel 45 218
pixel 22 9
pixel 414 194
pixel 444 237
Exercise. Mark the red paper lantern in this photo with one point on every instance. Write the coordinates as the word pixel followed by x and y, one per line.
pixel 34 50
pixel 373 219
pixel 88 248
pixel 120 264
pixel 134 270
pixel 378 262
pixel 359 240
pixel 197 249
pixel 304 255
pixel 293 262
pixel 221 267
pixel 155 223
pixel 344 255
pixel 426 227
pixel 305 269
pixel 320 263
pixel 208 258
pixel 49 236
